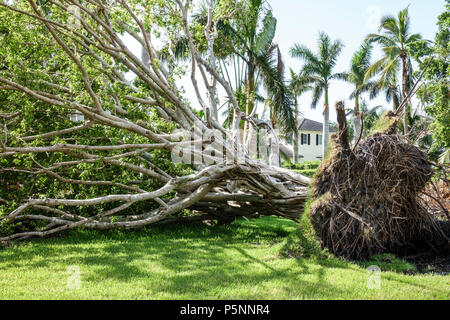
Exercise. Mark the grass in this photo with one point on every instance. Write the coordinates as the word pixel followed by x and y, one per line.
pixel 269 258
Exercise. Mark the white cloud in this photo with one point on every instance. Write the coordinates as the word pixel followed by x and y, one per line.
pixel 374 17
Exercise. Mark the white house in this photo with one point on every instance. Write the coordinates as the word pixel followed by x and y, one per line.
pixel 310 141
pixel 76 117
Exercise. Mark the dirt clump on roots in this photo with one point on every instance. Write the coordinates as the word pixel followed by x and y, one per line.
pixel 365 200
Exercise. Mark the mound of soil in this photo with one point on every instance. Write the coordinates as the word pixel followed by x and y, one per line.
pixel 429 262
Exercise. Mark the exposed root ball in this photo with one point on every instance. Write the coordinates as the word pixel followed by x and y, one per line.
pixel 365 201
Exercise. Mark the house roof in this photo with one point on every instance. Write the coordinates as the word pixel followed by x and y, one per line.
pixel 311 125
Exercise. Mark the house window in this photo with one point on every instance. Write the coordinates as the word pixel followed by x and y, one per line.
pixel 318 139
pixel 306 139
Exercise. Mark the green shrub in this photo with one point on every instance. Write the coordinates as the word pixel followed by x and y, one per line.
pixel 311 164
pixel 307 165
pixel 307 172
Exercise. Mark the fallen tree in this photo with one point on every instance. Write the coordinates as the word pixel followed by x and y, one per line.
pixel 114 168
pixel 365 199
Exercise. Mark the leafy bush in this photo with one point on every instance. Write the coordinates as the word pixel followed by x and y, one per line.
pixel 307 172
pixel 307 165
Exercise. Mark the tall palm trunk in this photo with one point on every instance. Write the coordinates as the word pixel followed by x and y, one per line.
pixel 326 126
pixel 404 95
pixel 251 89
pixel 251 85
pixel 357 120
pixel 274 143
pixel 296 133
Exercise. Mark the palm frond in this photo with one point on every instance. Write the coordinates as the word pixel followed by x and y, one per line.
pixel 376 68
pixel 403 24
pixel 318 68
pixel 340 76
pixel 304 53
pixel 271 68
pixel 265 37
pixel 317 93
pixel 333 53
pixel 390 26
pixel 385 40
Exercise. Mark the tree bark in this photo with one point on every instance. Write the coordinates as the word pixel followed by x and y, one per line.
pixel 224 181
pixel 250 93
pixel 296 155
pixel 357 120
pixel 405 94
pixel 343 126
pixel 326 125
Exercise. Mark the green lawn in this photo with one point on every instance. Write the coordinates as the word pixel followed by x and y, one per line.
pixel 245 260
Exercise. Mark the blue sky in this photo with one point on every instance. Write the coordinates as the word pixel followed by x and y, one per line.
pixel 299 21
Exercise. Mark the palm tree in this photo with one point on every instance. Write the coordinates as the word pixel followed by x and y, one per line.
pixel 258 64
pixel 318 69
pixel 391 89
pixel 369 117
pixel 258 61
pixel 298 85
pixel 397 43
pixel 279 100
pixel 356 76
pixel 246 52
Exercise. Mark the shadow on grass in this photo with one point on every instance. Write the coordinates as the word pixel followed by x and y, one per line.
pixel 190 260
pixel 302 244
pixel 195 260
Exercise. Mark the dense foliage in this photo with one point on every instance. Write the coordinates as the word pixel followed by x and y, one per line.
pixel 436 93
pixel 42 65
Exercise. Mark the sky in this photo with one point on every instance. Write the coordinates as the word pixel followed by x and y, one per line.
pixel 299 21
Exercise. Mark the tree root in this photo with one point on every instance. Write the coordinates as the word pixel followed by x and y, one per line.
pixel 365 201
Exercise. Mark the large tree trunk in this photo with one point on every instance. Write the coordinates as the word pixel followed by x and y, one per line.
pixel 251 87
pixel 219 179
pixel 296 155
pixel 275 155
pixel 357 121
pixel 405 94
pixel 326 125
